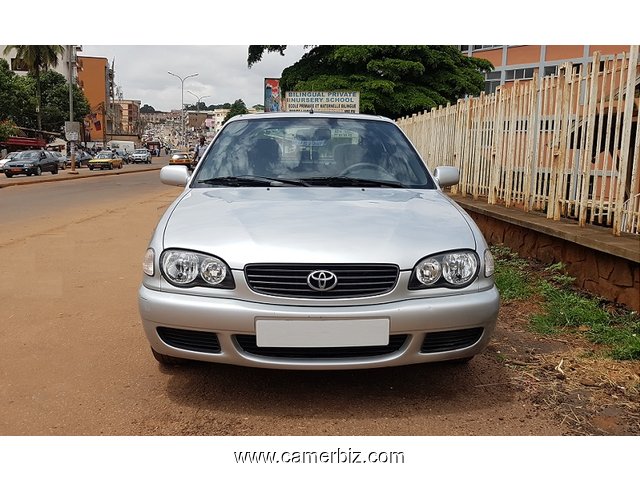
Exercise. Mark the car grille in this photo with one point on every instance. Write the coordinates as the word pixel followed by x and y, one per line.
pixel 290 280
pixel 193 340
pixel 452 340
pixel 248 344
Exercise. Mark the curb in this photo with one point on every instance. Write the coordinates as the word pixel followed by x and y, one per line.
pixel 61 178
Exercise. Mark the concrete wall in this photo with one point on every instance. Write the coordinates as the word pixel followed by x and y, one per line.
pixel 604 274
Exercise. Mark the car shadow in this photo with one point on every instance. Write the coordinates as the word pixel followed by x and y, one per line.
pixel 441 388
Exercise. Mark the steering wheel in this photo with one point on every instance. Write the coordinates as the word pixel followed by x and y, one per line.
pixel 371 166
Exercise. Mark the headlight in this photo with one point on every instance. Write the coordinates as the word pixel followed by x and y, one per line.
pixel 450 270
pixel 184 268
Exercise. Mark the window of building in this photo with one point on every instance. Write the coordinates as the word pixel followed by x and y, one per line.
pixel 550 70
pixel 520 74
pixel 491 86
pixel 19 65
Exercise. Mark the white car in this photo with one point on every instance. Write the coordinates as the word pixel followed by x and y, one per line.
pixel 315 241
pixel 8 158
pixel 141 155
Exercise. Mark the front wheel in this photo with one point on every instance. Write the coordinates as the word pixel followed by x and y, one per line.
pixel 54 171
pixel 9 175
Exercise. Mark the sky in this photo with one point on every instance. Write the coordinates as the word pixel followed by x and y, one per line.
pixel 223 75
pixel 147 39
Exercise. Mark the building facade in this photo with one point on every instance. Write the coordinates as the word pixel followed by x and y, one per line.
pixel 129 120
pixel 93 76
pixel 523 62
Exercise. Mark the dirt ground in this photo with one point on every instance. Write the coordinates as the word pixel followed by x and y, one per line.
pixel 74 359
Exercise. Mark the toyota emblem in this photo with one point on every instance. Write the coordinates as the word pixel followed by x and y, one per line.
pixel 322 280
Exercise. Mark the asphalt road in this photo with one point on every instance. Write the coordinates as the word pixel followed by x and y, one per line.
pixel 74 359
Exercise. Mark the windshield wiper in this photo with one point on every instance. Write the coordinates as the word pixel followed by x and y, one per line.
pixel 252 180
pixel 340 181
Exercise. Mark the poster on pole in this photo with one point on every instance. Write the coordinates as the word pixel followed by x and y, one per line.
pixel 345 102
pixel 272 95
pixel 72 131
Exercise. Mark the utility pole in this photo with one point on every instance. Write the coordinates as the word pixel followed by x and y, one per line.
pixel 72 143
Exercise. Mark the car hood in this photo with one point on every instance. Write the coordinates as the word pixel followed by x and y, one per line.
pixel 317 225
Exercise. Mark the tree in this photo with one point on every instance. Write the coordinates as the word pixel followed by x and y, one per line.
pixel 147 109
pixel 17 100
pixel 393 80
pixel 238 108
pixel 37 59
pixel 7 129
pixel 55 102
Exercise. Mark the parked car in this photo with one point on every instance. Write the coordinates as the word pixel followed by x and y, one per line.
pixel 9 157
pixel 105 160
pixel 62 160
pixel 141 155
pixel 315 241
pixel 181 158
pixel 82 159
pixel 31 162
pixel 126 157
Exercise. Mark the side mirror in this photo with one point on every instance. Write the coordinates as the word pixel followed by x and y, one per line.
pixel 177 175
pixel 446 176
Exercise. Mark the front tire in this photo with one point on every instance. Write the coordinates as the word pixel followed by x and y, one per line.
pixel 168 360
pixel 9 175
pixel 54 171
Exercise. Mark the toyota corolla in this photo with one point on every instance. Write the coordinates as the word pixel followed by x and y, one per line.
pixel 315 241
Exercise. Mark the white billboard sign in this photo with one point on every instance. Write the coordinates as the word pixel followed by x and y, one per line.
pixel 345 102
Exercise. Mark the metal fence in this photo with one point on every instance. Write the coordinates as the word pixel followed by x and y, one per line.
pixel 566 145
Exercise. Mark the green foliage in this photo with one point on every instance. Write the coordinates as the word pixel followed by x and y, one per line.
pixel 565 310
pixel 238 108
pixel 510 276
pixel 393 80
pixel 147 109
pixel 7 129
pixel 37 59
pixel 18 100
pixel 256 52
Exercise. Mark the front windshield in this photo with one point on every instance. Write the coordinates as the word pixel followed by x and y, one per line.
pixel 316 151
pixel 141 151
pixel 103 155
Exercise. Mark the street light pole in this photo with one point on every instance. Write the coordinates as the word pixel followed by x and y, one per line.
pixel 184 134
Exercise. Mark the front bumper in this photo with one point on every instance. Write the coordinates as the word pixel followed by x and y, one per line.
pixel 228 318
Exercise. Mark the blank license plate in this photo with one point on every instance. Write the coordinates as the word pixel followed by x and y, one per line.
pixel 322 333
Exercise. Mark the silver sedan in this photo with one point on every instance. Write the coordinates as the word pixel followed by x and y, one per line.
pixel 315 241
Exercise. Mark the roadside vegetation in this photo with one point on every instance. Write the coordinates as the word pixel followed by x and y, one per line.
pixel 563 309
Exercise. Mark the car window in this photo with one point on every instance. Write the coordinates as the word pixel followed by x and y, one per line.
pixel 293 148
pixel 28 155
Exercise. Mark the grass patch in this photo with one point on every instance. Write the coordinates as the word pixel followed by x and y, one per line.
pixel 511 277
pixel 565 310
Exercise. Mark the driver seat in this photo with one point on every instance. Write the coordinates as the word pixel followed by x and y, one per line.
pixel 348 154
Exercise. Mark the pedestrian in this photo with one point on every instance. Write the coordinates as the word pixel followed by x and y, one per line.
pixel 199 151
